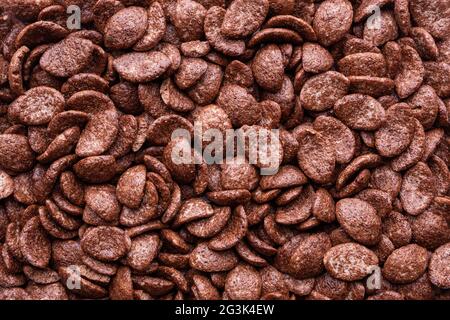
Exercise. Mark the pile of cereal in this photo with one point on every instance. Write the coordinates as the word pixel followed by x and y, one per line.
pixel 94 204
